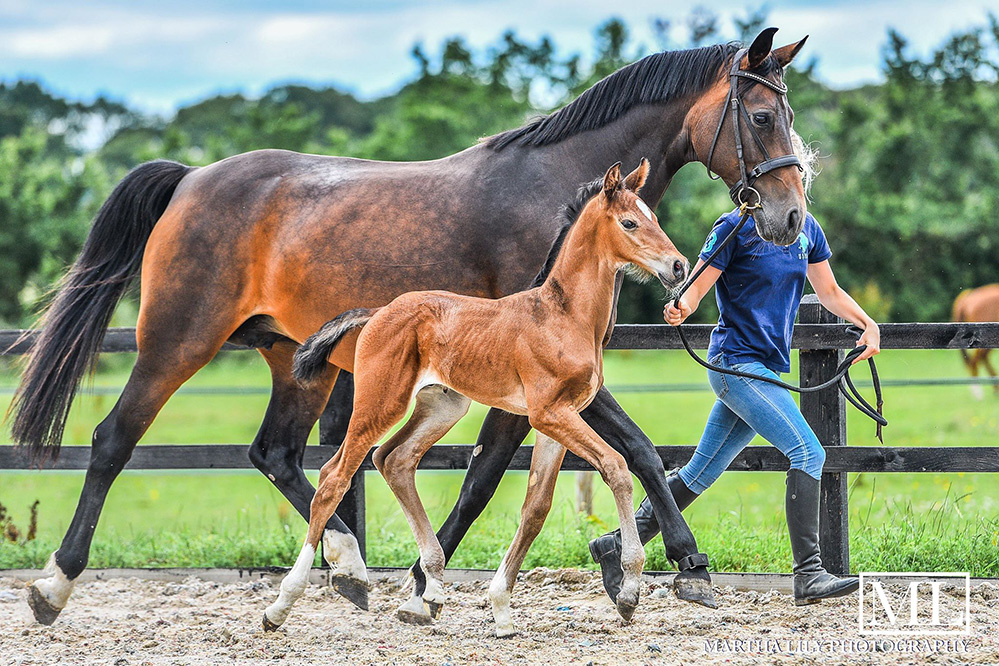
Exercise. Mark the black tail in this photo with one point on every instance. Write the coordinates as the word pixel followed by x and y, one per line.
pixel 312 357
pixel 75 322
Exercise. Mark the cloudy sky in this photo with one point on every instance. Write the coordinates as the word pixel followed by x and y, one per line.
pixel 159 55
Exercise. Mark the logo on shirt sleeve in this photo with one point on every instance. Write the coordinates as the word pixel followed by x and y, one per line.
pixel 709 244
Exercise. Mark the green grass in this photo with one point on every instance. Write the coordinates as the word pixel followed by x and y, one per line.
pixel 898 521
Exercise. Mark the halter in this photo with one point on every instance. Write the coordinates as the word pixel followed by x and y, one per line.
pixel 738 110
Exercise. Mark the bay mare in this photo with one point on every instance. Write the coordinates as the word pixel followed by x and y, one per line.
pixel 978 305
pixel 262 248
pixel 537 353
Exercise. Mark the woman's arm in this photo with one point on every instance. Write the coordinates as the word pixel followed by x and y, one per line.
pixel 692 297
pixel 841 304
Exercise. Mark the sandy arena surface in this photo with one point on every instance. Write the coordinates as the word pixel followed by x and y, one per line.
pixel 563 616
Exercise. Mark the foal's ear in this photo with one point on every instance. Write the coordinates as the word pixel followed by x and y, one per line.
pixel 634 180
pixel 760 49
pixel 612 180
pixel 785 54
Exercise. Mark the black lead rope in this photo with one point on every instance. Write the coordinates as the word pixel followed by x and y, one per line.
pixel 841 376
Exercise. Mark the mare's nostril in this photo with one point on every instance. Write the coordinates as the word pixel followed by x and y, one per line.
pixel 793 217
pixel 679 269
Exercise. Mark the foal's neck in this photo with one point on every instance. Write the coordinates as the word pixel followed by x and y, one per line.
pixel 581 282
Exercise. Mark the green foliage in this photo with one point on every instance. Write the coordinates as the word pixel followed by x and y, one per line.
pixel 909 183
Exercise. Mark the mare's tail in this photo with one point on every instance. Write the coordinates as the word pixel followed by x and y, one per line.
pixel 75 322
pixel 312 357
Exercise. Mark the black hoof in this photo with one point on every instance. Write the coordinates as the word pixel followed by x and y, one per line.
pixel 409 617
pixel 695 591
pixel 353 590
pixel 268 625
pixel 435 609
pixel 45 613
pixel 626 610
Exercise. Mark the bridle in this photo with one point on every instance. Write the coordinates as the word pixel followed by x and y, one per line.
pixel 737 110
pixel 739 193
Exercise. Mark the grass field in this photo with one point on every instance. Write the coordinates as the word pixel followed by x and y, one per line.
pixel 898 521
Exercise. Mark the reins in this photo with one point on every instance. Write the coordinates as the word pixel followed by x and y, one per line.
pixel 746 208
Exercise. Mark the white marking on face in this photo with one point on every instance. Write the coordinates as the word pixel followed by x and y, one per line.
pixel 644 208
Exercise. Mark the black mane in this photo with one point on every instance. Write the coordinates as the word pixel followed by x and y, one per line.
pixel 568 214
pixel 656 78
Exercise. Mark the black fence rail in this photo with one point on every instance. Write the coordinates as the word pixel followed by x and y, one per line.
pixel 819 337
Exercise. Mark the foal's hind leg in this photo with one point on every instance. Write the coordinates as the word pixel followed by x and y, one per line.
pixel 545 464
pixel 277 452
pixel 563 424
pixel 437 410
pixel 375 417
pixel 158 372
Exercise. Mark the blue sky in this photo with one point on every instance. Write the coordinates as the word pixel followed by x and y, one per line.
pixel 159 55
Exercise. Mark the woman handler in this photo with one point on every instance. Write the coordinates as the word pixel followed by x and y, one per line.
pixel 758 287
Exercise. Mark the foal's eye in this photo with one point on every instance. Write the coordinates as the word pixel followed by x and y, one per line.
pixel 761 119
pixel 629 224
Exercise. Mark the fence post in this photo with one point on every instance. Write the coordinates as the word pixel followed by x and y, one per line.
pixel 825 412
pixel 332 428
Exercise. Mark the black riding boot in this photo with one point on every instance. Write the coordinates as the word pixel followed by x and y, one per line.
pixel 606 549
pixel 812 583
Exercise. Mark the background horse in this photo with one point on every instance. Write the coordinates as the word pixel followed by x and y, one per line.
pixel 978 305
pixel 262 248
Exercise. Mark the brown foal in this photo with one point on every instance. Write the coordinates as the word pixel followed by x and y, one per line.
pixel 536 353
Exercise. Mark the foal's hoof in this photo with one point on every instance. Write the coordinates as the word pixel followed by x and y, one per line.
pixel 268 625
pixel 435 609
pixel 505 632
pixel 414 611
pixel 353 590
pixel 626 607
pixel 45 613
pixel 695 590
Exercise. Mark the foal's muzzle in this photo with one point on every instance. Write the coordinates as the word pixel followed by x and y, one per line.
pixel 674 273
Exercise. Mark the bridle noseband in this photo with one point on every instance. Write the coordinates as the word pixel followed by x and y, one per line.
pixel 738 110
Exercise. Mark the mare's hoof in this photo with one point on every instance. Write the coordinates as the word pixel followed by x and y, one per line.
pixel 268 625
pixel 413 617
pixel 45 613
pixel 695 590
pixel 435 609
pixel 353 590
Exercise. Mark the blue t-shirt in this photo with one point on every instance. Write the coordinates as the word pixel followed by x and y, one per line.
pixel 759 290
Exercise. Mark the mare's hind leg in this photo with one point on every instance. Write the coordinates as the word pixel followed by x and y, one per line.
pixel 563 424
pixel 437 410
pixel 545 463
pixel 988 368
pixel 379 408
pixel 277 452
pixel 159 370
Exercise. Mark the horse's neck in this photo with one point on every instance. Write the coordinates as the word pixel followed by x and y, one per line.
pixel 582 281
pixel 654 131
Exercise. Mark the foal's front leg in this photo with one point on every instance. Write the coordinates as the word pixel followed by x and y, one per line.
pixel 545 464
pixel 565 425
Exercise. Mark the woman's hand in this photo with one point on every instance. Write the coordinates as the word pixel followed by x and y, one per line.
pixel 871 338
pixel 675 316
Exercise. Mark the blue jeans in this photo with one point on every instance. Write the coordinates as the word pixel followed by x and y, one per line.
pixel 745 408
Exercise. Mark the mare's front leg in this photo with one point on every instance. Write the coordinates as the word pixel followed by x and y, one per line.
pixel 609 420
pixel 501 435
pixel 545 464
pixel 563 424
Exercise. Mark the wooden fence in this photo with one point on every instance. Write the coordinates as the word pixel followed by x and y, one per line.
pixel 819 336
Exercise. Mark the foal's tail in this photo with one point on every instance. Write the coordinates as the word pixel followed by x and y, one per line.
pixel 75 322
pixel 312 357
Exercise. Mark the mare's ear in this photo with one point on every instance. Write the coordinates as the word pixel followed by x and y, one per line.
pixel 785 54
pixel 634 180
pixel 760 49
pixel 612 180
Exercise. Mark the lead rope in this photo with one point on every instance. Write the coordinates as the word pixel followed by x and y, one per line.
pixel 842 374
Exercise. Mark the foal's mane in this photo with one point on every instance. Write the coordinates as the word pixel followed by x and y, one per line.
pixel 660 77
pixel 568 214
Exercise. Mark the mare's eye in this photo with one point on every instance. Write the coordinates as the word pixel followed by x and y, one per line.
pixel 761 119
pixel 629 224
